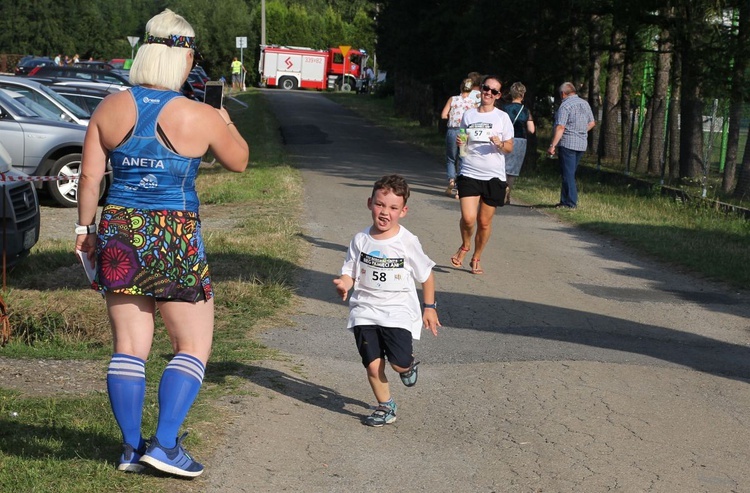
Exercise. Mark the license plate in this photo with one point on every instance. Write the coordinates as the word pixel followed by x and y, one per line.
pixel 29 239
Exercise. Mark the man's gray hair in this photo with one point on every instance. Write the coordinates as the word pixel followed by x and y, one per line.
pixel 567 88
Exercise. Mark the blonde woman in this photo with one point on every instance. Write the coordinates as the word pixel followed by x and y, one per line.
pixel 148 248
pixel 453 111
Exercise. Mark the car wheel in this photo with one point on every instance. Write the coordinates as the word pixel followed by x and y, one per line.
pixel 288 83
pixel 65 192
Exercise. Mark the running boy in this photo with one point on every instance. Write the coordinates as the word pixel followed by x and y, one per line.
pixel 381 265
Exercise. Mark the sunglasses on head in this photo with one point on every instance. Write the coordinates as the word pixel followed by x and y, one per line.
pixel 487 88
pixel 197 58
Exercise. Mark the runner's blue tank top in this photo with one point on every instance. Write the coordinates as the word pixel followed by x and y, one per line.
pixel 146 174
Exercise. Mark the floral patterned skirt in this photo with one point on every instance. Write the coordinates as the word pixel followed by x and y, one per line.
pixel 157 253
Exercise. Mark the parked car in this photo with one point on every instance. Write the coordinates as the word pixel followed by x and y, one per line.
pixel 121 63
pixel 122 72
pixel 94 65
pixel 28 63
pixel 198 70
pixel 86 84
pixel 85 97
pixel 77 73
pixel 196 81
pixel 42 147
pixel 41 94
pixel 19 211
pixel 32 105
pixel 191 92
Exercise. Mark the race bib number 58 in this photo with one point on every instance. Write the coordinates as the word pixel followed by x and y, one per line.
pixel 387 274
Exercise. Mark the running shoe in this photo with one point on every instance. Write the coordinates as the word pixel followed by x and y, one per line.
pixel 409 377
pixel 383 415
pixel 171 460
pixel 129 459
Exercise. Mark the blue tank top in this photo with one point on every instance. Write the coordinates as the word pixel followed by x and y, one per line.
pixel 146 174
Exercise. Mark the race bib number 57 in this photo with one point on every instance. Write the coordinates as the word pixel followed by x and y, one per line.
pixel 387 274
pixel 479 134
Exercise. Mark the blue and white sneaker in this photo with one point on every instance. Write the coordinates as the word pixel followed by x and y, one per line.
pixel 382 415
pixel 171 460
pixel 409 377
pixel 129 459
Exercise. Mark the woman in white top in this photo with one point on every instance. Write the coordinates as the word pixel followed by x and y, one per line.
pixel 453 112
pixel 482 182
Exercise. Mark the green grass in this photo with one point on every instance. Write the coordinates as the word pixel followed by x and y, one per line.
pixel 69 444
pixel 690 236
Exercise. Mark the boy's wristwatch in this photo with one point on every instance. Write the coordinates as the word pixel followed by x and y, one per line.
pixel 430 305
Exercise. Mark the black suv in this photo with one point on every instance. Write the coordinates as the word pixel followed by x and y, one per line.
pixel 29 63
pixel 76 73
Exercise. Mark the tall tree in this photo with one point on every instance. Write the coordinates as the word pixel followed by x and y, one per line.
pixel 609 137
pixel 596 22
pixel 738 96
pixel 660 100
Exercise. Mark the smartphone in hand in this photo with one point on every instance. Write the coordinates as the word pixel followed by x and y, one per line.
pixel 214 93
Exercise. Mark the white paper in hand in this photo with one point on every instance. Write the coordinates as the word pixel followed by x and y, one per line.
pixel 87 267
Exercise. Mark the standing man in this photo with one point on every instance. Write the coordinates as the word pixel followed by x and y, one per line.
pixel 237 70
pixel 573 121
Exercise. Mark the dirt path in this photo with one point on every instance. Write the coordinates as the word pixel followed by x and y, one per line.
pixel 571 366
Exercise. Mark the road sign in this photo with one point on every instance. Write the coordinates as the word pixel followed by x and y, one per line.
pixel 344 50
pixel 241 41
pixel 133 40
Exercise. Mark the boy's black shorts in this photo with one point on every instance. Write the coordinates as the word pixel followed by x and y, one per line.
pixel 492 192
pixel 374 341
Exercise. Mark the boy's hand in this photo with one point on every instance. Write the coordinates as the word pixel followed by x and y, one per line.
pixel 343 285
pixel 430 320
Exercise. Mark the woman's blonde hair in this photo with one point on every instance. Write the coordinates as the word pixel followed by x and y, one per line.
pixel 158 64
pixel 517 90
pixel 466 85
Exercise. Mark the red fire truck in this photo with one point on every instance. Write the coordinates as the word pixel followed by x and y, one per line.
pixel 290 67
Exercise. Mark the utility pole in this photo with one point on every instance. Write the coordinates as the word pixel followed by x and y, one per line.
pixel 263 22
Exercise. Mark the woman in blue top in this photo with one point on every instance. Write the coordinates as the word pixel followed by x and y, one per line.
pixel 148 248
pixel 523 126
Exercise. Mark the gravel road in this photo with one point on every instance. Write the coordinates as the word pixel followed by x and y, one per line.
pixel 572 365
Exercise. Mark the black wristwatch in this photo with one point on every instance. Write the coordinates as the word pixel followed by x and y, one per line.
pixel 430 305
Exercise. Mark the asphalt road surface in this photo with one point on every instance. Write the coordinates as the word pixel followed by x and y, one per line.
pixel 572 365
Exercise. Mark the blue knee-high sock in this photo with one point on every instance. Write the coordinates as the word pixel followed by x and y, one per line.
pixel 126 386
pixel 179 386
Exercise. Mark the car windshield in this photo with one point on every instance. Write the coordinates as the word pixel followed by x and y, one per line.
pixel 66 103
pixel 10 103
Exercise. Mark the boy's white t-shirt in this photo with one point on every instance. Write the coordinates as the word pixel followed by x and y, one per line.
pixel 384 272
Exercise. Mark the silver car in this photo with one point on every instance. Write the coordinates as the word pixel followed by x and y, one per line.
pixel 65 109
pixel 43 147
